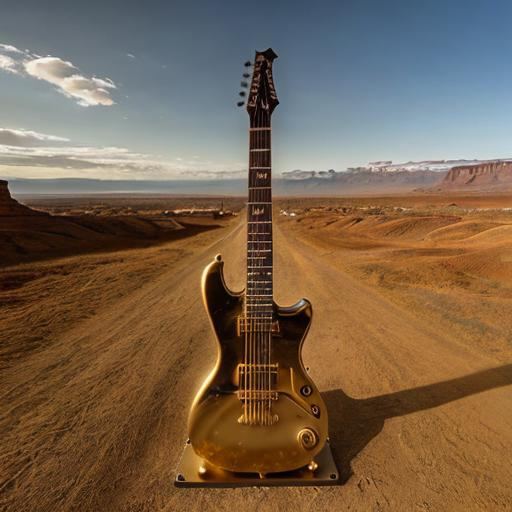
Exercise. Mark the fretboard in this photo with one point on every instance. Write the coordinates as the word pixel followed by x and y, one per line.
pixel 259 225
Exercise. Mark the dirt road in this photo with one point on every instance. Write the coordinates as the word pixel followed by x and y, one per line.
pixel 95 418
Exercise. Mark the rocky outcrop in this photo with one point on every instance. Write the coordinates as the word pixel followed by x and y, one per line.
pixel 484 175
pixel 9 207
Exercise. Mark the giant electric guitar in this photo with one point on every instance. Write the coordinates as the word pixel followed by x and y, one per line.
pixel 258 411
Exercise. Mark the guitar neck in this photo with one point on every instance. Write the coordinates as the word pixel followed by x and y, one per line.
pixel 259 291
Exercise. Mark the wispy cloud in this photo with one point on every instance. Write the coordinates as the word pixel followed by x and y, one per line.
pixel 27 138
pixel 64 75
pixel 214 173
pixel 8 48
pixel 25 153
pixel 69 81
pixel 8 64
pixel 131 56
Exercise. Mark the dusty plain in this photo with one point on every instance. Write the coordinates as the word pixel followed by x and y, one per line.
pixel 103 345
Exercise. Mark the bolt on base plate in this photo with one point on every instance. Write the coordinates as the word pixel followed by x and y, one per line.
pixel 193 472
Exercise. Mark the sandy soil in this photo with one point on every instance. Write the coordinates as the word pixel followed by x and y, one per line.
pixel 411 344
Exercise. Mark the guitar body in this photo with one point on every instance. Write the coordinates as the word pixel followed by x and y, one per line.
pixel 299 427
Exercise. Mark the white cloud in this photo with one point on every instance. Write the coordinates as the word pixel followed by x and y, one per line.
pixel 131 55
pixel 27 138
pixel 64 75
pixel 210 174
pixel 8 48
pixel 8 64
pixel 27 154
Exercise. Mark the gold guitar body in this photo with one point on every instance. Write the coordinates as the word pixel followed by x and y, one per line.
pixel 299 429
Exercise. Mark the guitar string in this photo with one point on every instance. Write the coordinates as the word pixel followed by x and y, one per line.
pixel 268 323
pixel 264 157
pixel 265 322
pixel 259 264
pixel 258 301
pixel 247 324
pixel 269 335
pixel 254 312
pixel 255 307
pixel 248 321
pixel 267 207
pixel 258 254
pixel 258 323
pixel 256 404
pixel 256 334
pixel 253 302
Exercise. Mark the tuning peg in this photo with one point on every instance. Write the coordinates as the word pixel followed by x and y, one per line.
pixel 244 84
pixel 246 75
pixel 242 93
pixel 247 64
pixel 240 104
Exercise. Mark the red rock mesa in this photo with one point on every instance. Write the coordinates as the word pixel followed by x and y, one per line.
pixel 484 175
pixel 9 207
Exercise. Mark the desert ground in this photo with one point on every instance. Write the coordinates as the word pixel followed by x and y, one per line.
pixel 103 345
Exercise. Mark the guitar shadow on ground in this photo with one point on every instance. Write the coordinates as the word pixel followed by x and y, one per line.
pixel 353 423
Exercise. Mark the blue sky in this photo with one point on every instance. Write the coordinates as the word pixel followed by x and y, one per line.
pixel 357 81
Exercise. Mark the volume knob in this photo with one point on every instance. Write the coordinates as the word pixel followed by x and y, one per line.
pixel 307 438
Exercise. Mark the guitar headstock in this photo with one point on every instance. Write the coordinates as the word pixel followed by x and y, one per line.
pixel 262 97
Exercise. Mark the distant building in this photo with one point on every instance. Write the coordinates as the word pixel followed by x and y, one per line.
pixel 216 213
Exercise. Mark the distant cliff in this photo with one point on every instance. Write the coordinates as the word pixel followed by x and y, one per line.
pixel 357 181
pixel 374 178
pixel 9 207
pixel 484 175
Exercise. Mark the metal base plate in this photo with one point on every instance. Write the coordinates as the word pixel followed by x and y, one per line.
pixel 189 475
